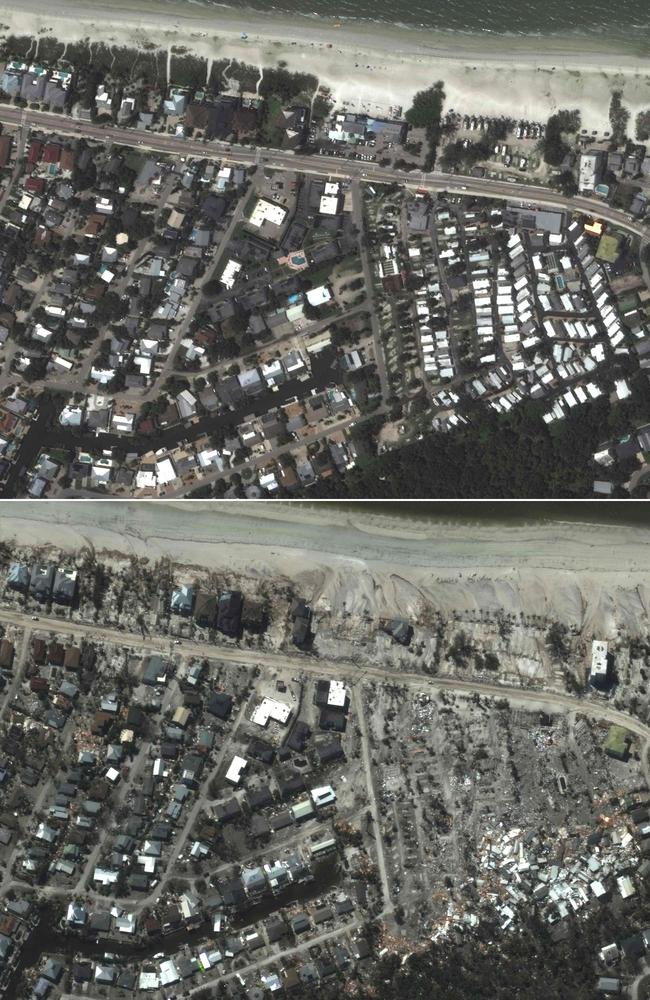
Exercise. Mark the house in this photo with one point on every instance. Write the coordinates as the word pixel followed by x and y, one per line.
pixel 186 404
pixel 270 708
pixel 182 600
pixel 65 586
pixel 300 733
pixel 18 577
pixel 5 150
pixel 105 974
pixel 399 630
pixel 155 671
pixel 259 798
pixel 236 769
pixel 329 751
pixel 301 615
pixel 360 948
pixel 214 119
pixel 302 811
pixel 72 658
pixel 226 812
pixel 205 609
pixel 608 985
pixel 6 654
pixel 220 705
pixel 229 611
pixel 41 581
pixel 77 915
pixel 53 970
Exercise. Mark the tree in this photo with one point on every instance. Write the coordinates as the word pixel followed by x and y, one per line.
pixel 619 117
pixel 565 183
pixel 553 146
pixel 556 640
pixel 212 288
pixel 425 113
pixel 110 308
pixel 285 85
pixel 642 126
pixel 427 107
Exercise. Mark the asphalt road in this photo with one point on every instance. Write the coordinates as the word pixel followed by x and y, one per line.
pixel 316 164
pixel 551 701
pixel 554 701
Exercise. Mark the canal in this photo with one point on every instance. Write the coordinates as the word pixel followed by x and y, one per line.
pixel 48 939
pixel 45 431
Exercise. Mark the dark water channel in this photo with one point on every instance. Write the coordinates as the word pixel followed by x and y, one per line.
pixel 48 939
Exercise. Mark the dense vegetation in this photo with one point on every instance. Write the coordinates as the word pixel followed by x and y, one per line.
pixel 517 455
pixel 425 113
pixel 642 126
pixel 287 86
pixel 491 964
pixel 553 146
pixel 619 117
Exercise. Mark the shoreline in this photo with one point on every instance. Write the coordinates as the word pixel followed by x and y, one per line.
pixel 587 577
pixel 583 47
pixel 436 543
pixel 384 65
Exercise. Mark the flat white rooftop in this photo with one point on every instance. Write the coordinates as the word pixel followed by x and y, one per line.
pixel 269 708
pixel 237 767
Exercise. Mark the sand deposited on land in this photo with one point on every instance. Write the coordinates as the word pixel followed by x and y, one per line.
pixel 371 67
pixel 591 576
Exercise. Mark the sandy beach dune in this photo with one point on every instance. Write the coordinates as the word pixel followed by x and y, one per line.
pixel 592 576
pixel 371 66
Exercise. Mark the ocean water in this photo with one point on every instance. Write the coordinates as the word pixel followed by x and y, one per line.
pixel 631 513
pixel 625 20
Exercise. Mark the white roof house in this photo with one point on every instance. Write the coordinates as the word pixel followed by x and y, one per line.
pixel 237 767
pixel 165 472
pixel 625 886
pixel 230 272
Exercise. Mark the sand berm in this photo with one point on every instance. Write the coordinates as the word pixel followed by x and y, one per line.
pixel 591 576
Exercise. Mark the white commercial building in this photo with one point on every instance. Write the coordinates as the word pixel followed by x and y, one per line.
pixel 267 211
pixel 323 796
pixel 598 670
pixel 590 168
pixel 269 708
pixel 318 296
pixel 336 694
pixel 329 203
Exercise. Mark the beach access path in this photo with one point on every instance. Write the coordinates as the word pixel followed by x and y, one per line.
pixel 368 65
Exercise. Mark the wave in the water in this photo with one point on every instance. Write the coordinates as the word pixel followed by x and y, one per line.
pixel 501 17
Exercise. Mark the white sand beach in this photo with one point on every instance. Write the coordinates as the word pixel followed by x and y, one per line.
pixel 594 577
pixel 370 66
